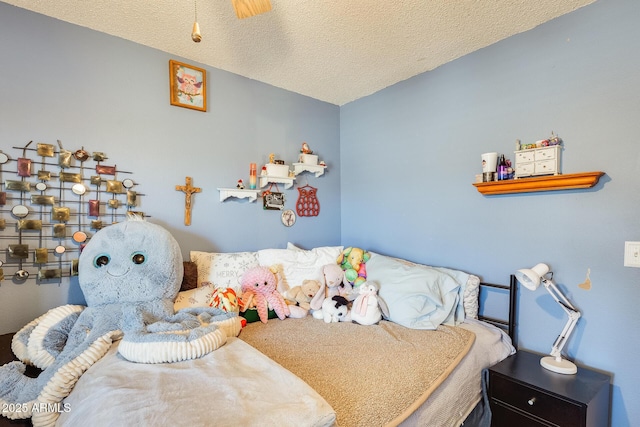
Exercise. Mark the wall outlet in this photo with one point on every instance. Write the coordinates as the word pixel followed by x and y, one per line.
pixel 632 254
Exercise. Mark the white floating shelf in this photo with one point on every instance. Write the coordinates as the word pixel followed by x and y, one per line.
pixel 225 193
pixel 318 170
pixel 266 179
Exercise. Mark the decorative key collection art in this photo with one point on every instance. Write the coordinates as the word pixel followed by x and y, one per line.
pixel 51 201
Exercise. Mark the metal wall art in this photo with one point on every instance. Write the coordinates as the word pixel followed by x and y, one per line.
pixel 52 200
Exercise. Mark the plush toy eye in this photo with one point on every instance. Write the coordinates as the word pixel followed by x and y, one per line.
pixel 138 258
pixel 257 285
pixel 101 260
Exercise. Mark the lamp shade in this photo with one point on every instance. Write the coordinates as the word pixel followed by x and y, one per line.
pixel 530 277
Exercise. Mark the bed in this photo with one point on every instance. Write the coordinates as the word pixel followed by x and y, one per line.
pixel 407 370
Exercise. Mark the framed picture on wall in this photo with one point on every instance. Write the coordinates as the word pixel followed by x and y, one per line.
pixel 188 85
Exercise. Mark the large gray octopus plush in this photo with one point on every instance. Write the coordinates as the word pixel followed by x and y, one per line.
pixel 130 274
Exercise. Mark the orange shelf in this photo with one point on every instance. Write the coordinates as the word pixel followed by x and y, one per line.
pixel 541 183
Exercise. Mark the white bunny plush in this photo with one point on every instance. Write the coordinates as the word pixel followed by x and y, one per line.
pixel 334 284
pixel 368 308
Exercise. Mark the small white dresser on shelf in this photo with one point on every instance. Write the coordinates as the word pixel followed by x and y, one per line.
pixel 538 161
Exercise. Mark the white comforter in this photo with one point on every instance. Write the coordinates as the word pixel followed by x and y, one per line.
pixel 234 385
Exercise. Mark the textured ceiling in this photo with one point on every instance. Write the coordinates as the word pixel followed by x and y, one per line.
pixel 332 50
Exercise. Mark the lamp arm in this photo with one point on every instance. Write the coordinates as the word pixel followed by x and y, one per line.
pixel 558 296
pixel 574 315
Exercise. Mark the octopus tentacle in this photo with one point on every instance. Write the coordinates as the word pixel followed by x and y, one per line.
pixel 261 305
pixel 279 305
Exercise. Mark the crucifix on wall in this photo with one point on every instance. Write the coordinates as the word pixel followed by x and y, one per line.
pixel 188 191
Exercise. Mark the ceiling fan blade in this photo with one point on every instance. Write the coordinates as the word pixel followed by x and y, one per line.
pixel 247 8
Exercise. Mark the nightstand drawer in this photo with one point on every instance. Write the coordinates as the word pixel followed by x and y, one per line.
pixel 545 153
pixel 524 156
pixel 525 169
pixel 535 402
pixel 545 166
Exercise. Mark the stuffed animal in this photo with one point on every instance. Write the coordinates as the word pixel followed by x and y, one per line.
pixel 225 299
pixel 334 309
pixel 368 307
pixel 281 282
pixel 352 261
pixel 303 294
pixel 334 284
pixel 299 298
pixel 259 288
pixel 130 275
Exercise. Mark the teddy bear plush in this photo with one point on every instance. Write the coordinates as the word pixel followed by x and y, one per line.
pixel 259 288
pixel 299 298
pixel 368 308
pixel 352 261
pixel 303 294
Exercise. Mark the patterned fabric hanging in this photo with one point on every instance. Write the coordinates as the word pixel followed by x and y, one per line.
pixel 307 204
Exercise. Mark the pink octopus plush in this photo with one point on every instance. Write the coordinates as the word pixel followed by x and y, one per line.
pixel 259 289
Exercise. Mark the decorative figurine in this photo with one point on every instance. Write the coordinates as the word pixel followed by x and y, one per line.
pixel 263 172
pixel 305 149
pixel 555 139
pixel 240 185
pixel 272 158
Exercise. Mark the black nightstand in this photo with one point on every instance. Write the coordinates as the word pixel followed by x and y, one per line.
pixel 522 393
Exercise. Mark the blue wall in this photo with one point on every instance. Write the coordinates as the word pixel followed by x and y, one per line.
pixel 410 153
pixel 61 81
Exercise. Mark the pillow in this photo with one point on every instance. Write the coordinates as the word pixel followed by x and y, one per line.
pixel 299 265
pixel 198 297
pixel 190 278
pixel 418 296
pixel 320 249
pixel 470 286
pixel 224 270
pixel 471 296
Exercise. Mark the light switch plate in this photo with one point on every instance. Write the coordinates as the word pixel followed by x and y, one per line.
pixel 632 254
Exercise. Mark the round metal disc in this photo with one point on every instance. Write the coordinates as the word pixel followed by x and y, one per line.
pixel 3 158
pixel 79 189
pixel 81 155
pixel 20 211
pixel 127 183
pixel 21 275
pixel 41 186
pixel 79 237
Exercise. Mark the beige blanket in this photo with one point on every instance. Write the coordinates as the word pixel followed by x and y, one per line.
pixel 234 385
pixel 370 375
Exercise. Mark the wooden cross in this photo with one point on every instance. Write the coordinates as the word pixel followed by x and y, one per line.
pixel 188 190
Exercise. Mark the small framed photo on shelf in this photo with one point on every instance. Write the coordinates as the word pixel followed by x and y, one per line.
pixel 188 85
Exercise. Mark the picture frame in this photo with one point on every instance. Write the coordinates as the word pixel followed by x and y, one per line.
pixel 188 86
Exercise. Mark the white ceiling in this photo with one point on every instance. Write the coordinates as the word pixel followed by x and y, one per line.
pixel 332 50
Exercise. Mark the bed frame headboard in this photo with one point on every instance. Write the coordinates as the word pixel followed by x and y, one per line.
pixel 510 324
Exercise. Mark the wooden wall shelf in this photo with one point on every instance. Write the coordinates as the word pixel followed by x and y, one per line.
pixel 543 183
